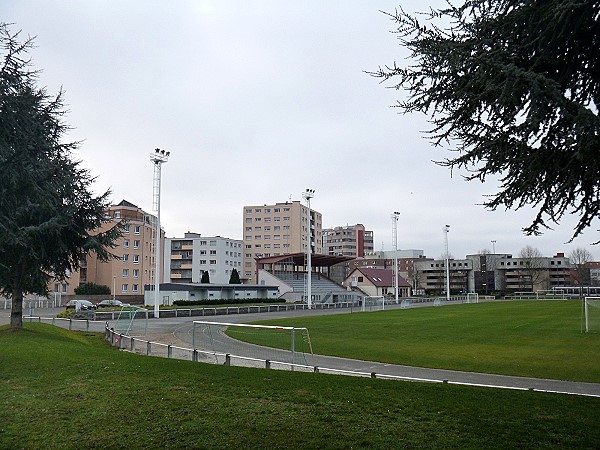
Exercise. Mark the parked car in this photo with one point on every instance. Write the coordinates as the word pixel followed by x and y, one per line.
pixel 83 305
pixel 112 304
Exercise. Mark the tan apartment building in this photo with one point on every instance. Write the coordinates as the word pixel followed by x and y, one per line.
pixel 349 240
pixel 134 264
pixel 278 229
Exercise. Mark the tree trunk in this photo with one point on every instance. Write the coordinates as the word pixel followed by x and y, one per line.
pixel 16 311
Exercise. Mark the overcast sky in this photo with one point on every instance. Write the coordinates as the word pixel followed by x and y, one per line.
pixel 257 101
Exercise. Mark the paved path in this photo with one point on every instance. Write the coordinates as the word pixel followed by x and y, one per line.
pixel 178 331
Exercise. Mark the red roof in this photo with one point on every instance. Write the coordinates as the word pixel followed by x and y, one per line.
pixel 381 277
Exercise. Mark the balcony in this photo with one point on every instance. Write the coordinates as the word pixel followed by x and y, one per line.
pixel 187 247
pixel 175 276
pixel 176 257
pixel 186 266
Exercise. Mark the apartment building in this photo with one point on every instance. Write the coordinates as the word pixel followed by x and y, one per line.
pixel 134 264
pixel 534 274
pixel 349 240
pixel 186 259
pixel 430 275
pixel 278 229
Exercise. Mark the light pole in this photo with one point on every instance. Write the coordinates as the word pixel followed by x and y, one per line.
pixel 446 231
pixel 114 287
pixel 307 195
pixel 158 157
pixel 493 247
pixel 395 216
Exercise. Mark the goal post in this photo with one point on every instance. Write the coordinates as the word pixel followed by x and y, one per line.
pixel 472 297
pixel 591 314
pixel 263 342
pixel 373 303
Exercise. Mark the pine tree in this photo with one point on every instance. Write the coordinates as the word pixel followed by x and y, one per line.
pixel 513 86
pixel 48 214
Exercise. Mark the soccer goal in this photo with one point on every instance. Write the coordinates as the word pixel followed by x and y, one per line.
pixel 472 297
pixel 374 303
pixel 262 342
pixel 591 307
pixel 132 321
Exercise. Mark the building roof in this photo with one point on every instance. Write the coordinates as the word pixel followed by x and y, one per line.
pixel 299 259
pixel 380 277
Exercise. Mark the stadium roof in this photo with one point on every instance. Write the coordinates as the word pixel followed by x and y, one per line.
pixel 299 259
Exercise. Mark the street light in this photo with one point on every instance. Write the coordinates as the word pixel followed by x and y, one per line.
pixel 158 157
pixel 114 286
pixel 493 247
pixel 446 231
pixel 395 216
pixel 307 195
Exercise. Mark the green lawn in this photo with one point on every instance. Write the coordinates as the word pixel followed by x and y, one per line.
pixel 536 339
pixel 70 390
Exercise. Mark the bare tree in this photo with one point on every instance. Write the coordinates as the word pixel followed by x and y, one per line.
pixel 531 266
pixel 580 259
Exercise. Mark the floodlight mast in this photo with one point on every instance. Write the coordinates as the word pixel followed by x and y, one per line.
pixel 446 231
pixel 307 195
pixel 158 158
pixel 395 216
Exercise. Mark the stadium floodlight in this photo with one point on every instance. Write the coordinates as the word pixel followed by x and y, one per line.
pixel 493 246
pixel 395 216
pixel 158 158
pixel 446 231
pixel 307 195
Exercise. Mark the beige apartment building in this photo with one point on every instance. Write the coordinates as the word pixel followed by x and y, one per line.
pixel 278 229
pixel 134 264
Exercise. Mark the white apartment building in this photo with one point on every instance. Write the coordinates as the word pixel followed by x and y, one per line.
pixel 187 258
pixel 278 229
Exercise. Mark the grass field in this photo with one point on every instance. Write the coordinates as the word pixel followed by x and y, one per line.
pixel 534 339
pixel 70 390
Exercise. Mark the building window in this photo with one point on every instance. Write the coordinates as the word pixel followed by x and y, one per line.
pixel 117 214
pixel 202 261
pixel 249 211
pixel 257 219
pixel 267 210
pixel 277 219
pixel 248 228
pixel 248 219
pixel 136 259
pixel 136 229
pixel 248 238
pixel 257 210
pixel 134 288
pixel 213 243
pixel 213 252
pixel 136 243
pixel 126 243
pixel 126 229
pixel 202 242
pixel 267 219
pixel 126 257
pixel 213 261
pixel 125 273
pixel 124 287
pixel 136 273
pixel 277 210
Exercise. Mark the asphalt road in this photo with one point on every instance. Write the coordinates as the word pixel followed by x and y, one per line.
pixel 180 332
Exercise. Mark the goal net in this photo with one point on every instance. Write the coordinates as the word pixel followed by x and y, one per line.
pixel 375 303
pixel 591 307
pixel 132 321
pixel 263 342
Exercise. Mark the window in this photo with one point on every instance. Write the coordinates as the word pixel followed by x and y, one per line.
pixel 267 219
pixel 257 219
pixel 360 279
pixel 117 214
pixel 276 228
pixel 136 273
pixel 286 219
pixel 286 209
pixel 277 219
pixel 125 273
pixel 248 219
pixel 203 252
pixel 248 228
pixel 136 229
pixel 213 252
pixel 126 229
pixel 248 245
pixel 267 237
pixel 249 211
pixel 213 261
pixel 202 242
pixel 267 210
pixel 134 288
pixel 136 259
pixel 126 243
pixel 202 261
pixel 248 238
pixel 126 257
pixel 277 210
pixel 257 210
pixel 248 255
pixel 257 228
pixel 124 287
pixel 267 228
pixel 65 287
pixel 136 243
pixel 213 243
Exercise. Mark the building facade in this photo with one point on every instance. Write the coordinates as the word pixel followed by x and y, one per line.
pixel 188 258
pixel 134 263
pixel 278 229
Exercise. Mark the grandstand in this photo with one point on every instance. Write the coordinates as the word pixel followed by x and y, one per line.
pixel 288 272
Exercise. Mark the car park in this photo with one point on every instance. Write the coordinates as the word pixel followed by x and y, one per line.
pixel 112 304
pixel 80 305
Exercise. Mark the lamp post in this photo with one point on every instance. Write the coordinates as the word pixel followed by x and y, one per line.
pixel 114 287
pixel 395 216
pixel 158 157
pixel 307 195
pixel 446 231
pixel 493 247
